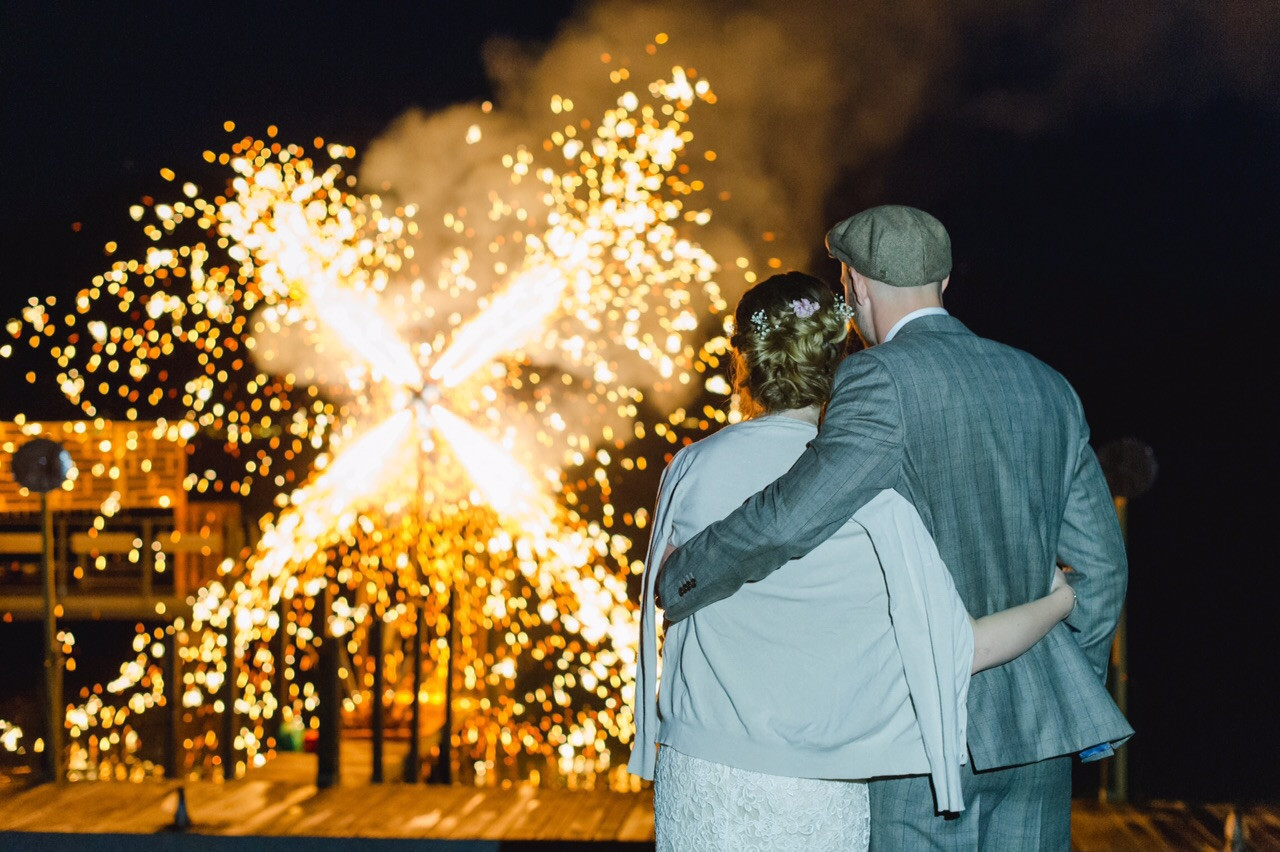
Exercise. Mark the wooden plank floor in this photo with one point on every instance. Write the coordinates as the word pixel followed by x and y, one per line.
pixel 272 809
pixel 281 801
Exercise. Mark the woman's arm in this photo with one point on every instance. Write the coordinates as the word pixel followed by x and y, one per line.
pixel 1004 635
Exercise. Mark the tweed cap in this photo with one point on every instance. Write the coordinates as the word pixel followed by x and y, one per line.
pixel 901 246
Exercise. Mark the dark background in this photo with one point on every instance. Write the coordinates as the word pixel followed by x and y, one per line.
pixel 1130 243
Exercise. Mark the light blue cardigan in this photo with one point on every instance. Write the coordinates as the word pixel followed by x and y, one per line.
pixel 811 672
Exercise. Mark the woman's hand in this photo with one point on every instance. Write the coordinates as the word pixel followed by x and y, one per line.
pixel 1061 590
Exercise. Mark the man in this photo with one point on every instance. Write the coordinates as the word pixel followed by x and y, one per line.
pixel 991 447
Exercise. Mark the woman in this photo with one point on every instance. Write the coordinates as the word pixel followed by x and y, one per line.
pixel 849 663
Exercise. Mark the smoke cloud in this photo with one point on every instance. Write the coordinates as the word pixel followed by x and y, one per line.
pixel 803 92
pixel 807 91
pixel 804 89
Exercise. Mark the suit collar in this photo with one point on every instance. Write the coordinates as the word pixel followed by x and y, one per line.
pixel 932 324
pixel 914 315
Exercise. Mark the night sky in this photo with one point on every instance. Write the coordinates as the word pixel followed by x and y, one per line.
pixel 1110 185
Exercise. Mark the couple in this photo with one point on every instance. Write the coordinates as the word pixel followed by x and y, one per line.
pixel 820 633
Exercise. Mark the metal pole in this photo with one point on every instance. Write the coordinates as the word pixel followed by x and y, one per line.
pixel 1115 773
pixel 379 719
pixel 329 711
pixel 64 556
pixel 54 711
pixel 413 763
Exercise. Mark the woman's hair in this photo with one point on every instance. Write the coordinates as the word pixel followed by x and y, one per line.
pixel 789 335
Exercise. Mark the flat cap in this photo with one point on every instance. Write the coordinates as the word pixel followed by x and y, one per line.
pixel 901 246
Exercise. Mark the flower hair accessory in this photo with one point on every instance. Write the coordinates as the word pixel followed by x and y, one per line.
pixel 760 323
pixel 804 307
pixel 843 309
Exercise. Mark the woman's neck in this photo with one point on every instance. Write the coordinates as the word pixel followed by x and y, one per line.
pixel 809 414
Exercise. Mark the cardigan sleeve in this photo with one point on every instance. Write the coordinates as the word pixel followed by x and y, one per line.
pixel 645 701
pixel 933 634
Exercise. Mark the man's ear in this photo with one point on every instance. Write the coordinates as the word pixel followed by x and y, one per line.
pixel 945 282
pixel 861 289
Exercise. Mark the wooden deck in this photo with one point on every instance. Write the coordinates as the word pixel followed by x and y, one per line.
pixel 280 800
pixel 279 803
pixel 271 809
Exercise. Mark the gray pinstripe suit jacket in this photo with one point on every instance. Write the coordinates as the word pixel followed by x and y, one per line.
pixel 991 446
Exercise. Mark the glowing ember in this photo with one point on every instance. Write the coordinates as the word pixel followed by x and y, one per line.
pixel 10 737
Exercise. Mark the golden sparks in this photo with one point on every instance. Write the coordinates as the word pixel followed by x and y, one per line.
pixel 416 446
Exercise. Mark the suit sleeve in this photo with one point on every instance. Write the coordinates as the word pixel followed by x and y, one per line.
pixel 1092 544
pixel 858 452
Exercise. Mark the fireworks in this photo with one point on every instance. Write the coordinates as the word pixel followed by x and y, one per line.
pixel 459 454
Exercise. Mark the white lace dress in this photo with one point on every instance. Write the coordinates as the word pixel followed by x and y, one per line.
pixel 700 806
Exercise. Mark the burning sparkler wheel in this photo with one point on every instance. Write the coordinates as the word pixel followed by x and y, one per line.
pixel 500 389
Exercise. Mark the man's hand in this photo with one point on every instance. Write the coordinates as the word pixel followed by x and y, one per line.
pixel 671 548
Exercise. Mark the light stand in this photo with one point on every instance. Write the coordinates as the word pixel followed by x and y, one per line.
pixel 42 465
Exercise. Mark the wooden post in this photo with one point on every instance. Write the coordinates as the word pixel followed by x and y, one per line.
pixel 227 742
pixel 442 770
pixel 147 559
pixel 55 713
pixel 413 763
pixel 376 628
pixel 330 689
pixel 173 703
pixel 279 649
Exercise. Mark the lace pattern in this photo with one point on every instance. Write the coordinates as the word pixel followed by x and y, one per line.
pixel 700 806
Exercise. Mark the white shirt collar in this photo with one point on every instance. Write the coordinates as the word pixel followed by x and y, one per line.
pixel 923 312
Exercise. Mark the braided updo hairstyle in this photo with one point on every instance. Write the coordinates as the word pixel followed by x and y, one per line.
pixel 789 336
